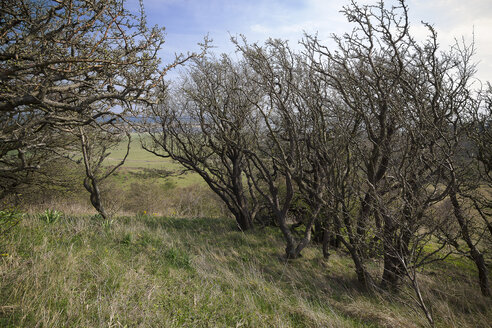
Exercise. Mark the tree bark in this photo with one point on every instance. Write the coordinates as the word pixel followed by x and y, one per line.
pixel 392 272
pixel 92 187
pixel 326 243
pixel 475 254
pixel 392 249
pixel 244 220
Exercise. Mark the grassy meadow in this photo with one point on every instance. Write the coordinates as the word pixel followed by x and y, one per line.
pixel 145 183
pixel 151 271
pixel 144 164
pixel 171 257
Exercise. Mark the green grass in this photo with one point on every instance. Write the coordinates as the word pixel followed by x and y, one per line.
pixel 153 271
pixel 148 271
pixel 141 163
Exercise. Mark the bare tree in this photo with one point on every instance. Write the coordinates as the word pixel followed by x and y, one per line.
pixel 479 182
pixel 277 158
pixel 68 62
pixel 205 126
pixel 404 94
pixel 467 166
pixel 94 145
pixel 366 83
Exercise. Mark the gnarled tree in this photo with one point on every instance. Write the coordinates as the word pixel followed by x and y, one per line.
pixel 403 93
pixel 206 126
pixel 68 62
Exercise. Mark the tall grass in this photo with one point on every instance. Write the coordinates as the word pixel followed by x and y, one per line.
pixel 148 271
pixel 139 197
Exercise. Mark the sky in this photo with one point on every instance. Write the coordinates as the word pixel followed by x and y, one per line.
pixel 188 21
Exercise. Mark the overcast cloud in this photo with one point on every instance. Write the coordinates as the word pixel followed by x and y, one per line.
pixel 188 21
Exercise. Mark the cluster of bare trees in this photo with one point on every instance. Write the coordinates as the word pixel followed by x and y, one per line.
pixel 371 138
pixel 359 146
pixel 70 73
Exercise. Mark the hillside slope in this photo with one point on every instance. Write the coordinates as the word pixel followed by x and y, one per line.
pixel 149 271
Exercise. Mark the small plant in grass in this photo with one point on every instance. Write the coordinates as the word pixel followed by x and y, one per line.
pixel 97 217
pixel 127 239
pixel 178 258
pixel 141 214
pixel 9 218
pixel 107 224
pixel 50 216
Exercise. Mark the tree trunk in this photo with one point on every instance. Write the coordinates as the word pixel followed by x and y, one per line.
pixel 92 187
pixel 392 274
pixel 362 276
pixel 360 270
pixel 336 240
pixel 392 270
pixel 244 217
pixel 475 254
pixel 326 243
pixel 290 248
pixel 244 220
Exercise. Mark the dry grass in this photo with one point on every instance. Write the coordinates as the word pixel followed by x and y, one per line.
pixel 149 267
pixel 145 197
pixel 149 271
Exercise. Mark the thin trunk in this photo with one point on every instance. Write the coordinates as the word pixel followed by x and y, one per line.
pixel 244 217
pixel 352 246
pixel 325 243
pixel 290 249
pixel 244 220
pixel 364 216
pixel 412 275
pixel 360 270
pixel 294 248
pixel 421 302
pixel 392 271
pixel 475 254
pixel 92 187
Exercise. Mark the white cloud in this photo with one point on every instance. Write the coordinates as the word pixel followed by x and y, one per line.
pixel 451 18
pixel 187 21
pixel 454 19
